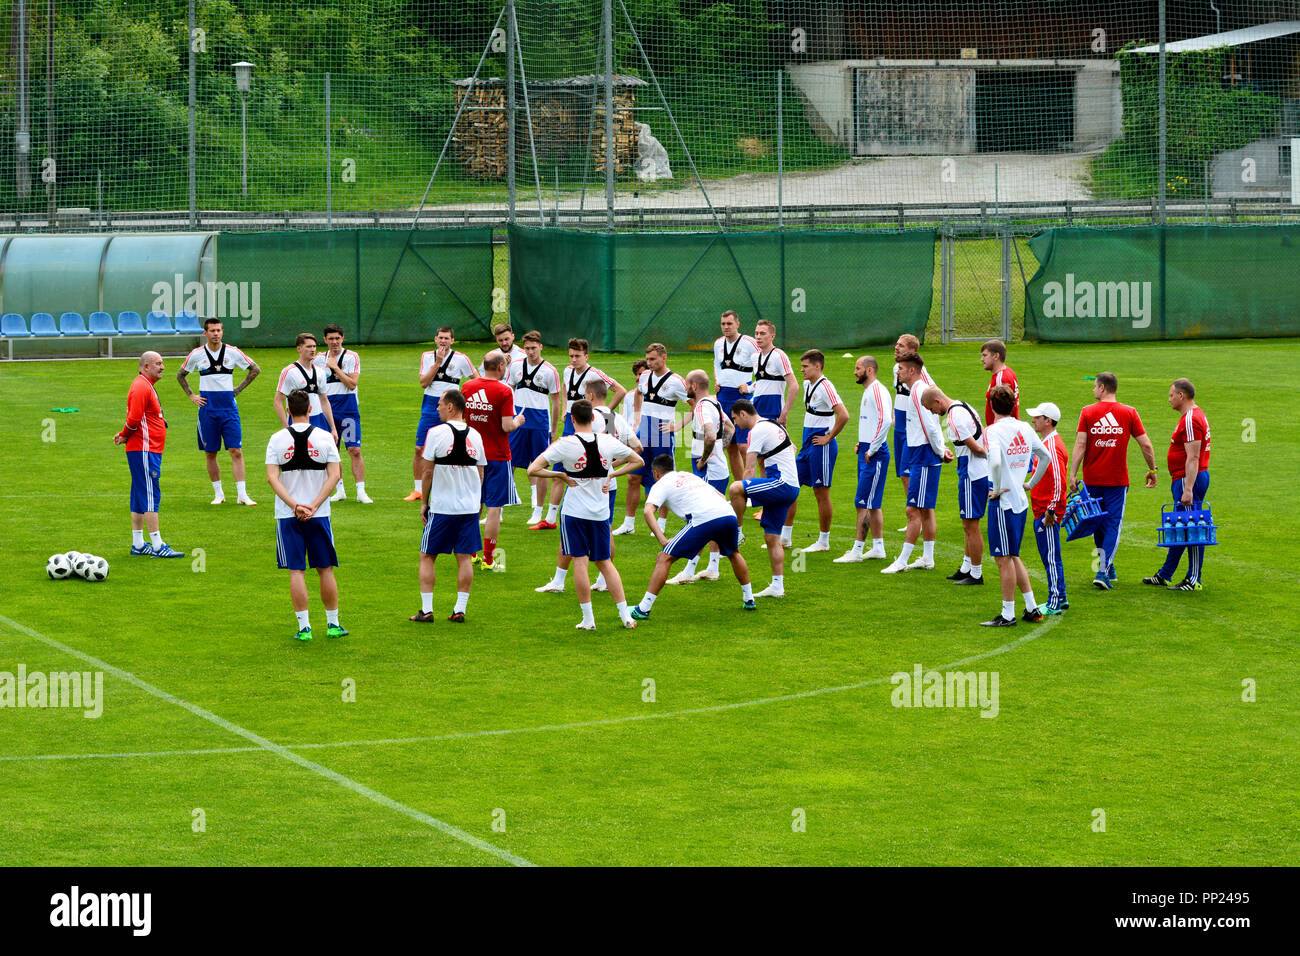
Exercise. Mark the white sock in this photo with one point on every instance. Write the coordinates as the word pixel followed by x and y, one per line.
pixel 217 489
pixel 977 571
pixel 418 485
pixel 551 512
pixel 560 575
pixel 361 488
pixel 536 516
pixel 1030 603
pixel 778 582
pixel 156 538
pixel 857 546
pixel 426 602
pixel 647 602
pixel 137 538
pixel 303 619
pixel 877 544
pixel 965 562
pixel 241 491
pixel 927 550
pixel 462 601
pixel 628 522
pixel 787 535
pixel 906 552
pixel 623 613
pixel 663 524
pixel 532 498
pixel 587 616
pixel 692 564
pixel 1009 610
pixel 747 592
pixel 714 558
pixel 332 617
pixel 824 537
pixel 600 580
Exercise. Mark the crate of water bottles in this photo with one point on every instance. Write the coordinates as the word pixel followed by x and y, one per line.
pixel 1181 527
pixel 1082 514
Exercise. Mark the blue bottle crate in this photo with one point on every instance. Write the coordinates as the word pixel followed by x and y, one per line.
pixel 1082 514
pixel 1182 527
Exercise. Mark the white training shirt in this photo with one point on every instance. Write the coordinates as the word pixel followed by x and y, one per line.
pixel 575 382
pixel 349 362
pixel 766 435
pixel 689 497
pixel 822 398
pixel 456 489
pixel 543 376
pixel 775 362
pixel 303 485
pixel 292 379
pixel 588 498
pixel 224 381
pixel 874 416
pixel 743 352
pixel 513 358
pixel 1011 444
pixel 922 424
pixel 709 412
pixel 901 391
pixel 622 431
pixel 673 389
pixel 458 366
pixel 963 423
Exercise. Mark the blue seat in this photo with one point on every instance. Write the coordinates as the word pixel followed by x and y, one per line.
pixel 187 323
pixel 128 323
pixel 13 326
pixel 101 323
pixel 71 323
pixel 43 325
pixel 159 323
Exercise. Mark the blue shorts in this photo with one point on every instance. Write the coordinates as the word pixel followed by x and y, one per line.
pixel 146 468
pixel 429 417
pixel 923 485
pixel 720 484
pixel 871 478
pixel 694 538
pixel 900 442
pixel 584 538
pixel 727 395
pixel 498 485
pixel 451 534
pixel 816 462
pixel 321 422
pixel 347 419
pixel 526 444
pixel 568 425
pixel 613 493
pixel 775 497
pixel 1006 528
pixel 303 544
pixel 972 496
pixel 769 406
pixel 218 425
pixel 656 443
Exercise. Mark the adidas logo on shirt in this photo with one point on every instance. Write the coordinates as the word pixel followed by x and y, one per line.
pixel 1107 425
pixel 1018 446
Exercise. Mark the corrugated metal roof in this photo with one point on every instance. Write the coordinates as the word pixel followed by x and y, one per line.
pixel 1262 31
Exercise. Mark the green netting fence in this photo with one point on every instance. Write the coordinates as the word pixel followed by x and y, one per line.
pixel 1182 282
pixel 622 292
pixel 379 285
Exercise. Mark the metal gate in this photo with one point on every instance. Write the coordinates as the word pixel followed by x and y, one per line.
pixel 976 272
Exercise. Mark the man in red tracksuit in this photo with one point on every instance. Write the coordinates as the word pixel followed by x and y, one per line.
pixel 144 435
pixel 1048 501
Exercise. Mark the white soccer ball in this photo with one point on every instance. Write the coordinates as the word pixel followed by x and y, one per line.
pixel 72 557
pixel 58 566
pixel 96 568
pixel 79 563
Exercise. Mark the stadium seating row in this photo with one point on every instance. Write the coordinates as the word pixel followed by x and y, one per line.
pixel 71 325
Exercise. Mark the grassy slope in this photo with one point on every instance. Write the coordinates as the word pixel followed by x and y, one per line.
pixel 1131 703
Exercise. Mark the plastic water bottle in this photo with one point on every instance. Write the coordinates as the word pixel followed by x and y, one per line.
pixel 1180 530
pixel 1202 530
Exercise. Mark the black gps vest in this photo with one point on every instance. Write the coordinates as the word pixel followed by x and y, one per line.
pixel 763 375
pixel 652 387
pixel 574 392
pixel 721 418
pixel 459 452
pixel 786 443
pixel 331 377
pixel 441 375
pixel 311 388
pixel 608 416
pixel 808 394
pixel 979 429
pixel 593 467
pixel 728 362
pixel 216 366
pixel 301 460
pixel 526 378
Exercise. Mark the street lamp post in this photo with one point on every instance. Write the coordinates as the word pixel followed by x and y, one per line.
pixel 244 81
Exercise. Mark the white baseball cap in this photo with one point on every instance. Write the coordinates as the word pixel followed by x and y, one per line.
pixel 1047 410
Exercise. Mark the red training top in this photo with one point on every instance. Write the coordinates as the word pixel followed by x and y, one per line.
pixel 487 401
pixel 1193 426
pixel 1109 426
pixel 1049 494
pixel 1003 376
pixel 145 428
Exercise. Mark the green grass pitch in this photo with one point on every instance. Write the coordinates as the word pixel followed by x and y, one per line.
pixel 771 737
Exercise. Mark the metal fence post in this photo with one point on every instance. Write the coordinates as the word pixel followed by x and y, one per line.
pixel 608 40
pixel 510 110
pixel 1007 240
pixel 193 171
pixel 329 165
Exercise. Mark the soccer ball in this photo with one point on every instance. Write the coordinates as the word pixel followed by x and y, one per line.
pixel 58 566
pixel 79 561
pixel 96 568
pixel 72 557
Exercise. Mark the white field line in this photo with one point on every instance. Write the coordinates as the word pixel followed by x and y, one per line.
pixel 263 744
pixel 544 728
